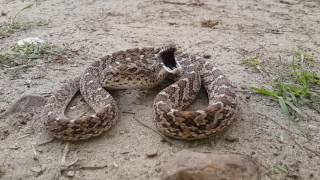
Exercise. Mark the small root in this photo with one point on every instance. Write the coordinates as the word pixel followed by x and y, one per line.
pixel 128 112
pixel 63 161
pixel 46 142
pixel 26 135
pixel 35 153
pixel 197 3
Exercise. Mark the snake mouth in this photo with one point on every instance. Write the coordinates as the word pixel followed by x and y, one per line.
pixel 167 56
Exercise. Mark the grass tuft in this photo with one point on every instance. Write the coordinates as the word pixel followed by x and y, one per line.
pixel 302 88
pixel 8 29
pixel 303 56
pixel 34 51
pixel 14 18
pixel 12 25
pixel 254 62
pixel 27 52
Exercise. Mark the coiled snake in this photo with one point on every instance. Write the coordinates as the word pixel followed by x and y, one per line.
pixel 145 68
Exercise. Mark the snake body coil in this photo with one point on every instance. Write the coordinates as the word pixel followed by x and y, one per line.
pixel 145 68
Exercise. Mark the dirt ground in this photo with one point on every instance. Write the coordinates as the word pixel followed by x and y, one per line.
pixel 94 28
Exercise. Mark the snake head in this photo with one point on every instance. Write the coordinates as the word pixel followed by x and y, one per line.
pixel 168 59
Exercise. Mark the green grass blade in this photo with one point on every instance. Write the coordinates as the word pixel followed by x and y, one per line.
pixel 265 92
pixel 296 109
pixel 293 98
pixel 19 12
pixel 283 106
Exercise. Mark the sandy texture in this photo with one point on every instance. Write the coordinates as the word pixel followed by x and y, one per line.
pixel 95 28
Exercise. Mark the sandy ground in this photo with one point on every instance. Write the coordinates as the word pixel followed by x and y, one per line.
pixel 95 28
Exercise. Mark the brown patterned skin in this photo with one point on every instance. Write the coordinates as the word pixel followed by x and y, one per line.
pixel 170 118
pixel 133 68
pixel 145 68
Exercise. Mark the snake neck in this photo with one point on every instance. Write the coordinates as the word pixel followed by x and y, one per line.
pixel 161 75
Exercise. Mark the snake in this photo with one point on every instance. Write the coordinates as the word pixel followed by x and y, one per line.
pixel 145 68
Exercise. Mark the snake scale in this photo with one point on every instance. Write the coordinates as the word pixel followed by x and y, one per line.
pixel 143 68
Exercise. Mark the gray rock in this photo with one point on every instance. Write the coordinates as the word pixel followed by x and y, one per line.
pixel 188 165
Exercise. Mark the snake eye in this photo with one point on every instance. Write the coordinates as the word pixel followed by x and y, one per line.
pixel 167 56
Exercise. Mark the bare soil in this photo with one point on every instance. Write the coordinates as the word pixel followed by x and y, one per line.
pixel 94 28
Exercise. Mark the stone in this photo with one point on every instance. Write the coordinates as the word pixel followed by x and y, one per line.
pixel 152 153
pixel 188 165
pixel 30 40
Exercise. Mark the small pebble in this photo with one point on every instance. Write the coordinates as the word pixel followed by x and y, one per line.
pixel 14 147
pixel 276 154
pixel 124 152
pixel 158 169
pixel 206 56
pixel 36 169
pixel 152 154
pixel 6 133
pixel 312 127
pixel 231 138
pixel 70 173
pixel 172 23
pixel 28 83
pixel 3 13
pixel 243 87
pixel 209 23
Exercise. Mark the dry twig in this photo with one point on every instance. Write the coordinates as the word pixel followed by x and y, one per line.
pixel 164 138
pixel 198 3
